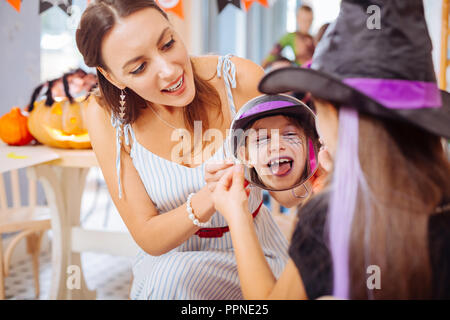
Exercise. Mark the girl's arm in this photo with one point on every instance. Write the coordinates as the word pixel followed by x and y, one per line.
pixel 257 279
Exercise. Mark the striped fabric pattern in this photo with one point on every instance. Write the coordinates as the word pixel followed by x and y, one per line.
pixel 200 268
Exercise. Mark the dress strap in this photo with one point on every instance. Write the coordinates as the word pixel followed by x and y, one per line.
pixel 226 67
pixel 124 130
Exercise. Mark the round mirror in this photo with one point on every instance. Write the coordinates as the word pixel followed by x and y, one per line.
pixel 275 138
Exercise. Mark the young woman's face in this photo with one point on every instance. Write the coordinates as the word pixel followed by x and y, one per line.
pixel 145 54
pixel 276 148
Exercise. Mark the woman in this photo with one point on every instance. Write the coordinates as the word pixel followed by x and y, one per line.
pixel 382 229
pixel 153 94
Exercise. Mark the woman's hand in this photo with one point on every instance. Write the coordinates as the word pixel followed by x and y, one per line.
pixel 230 196
pixel 214 170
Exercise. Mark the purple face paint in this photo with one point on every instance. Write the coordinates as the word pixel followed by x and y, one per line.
pixel 312 156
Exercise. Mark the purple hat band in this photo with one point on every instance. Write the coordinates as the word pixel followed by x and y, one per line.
pixel 399 94
pixel 266 106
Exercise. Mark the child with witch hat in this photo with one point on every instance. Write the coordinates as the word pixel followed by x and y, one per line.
pixel 382 228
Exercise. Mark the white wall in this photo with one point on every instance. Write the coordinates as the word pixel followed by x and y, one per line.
pixel 433 10
pixel 325 11
pixel 19 54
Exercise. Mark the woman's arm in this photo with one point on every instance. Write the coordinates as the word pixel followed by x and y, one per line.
pixel 257 279
pixel 156 234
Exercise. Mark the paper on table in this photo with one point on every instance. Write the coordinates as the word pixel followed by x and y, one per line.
pixel 12 158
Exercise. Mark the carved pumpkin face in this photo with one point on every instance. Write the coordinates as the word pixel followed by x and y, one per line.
pixel 61 125
pixel 14 129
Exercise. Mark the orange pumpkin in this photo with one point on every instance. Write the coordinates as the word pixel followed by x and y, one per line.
pixel 61 125
pixel 14 129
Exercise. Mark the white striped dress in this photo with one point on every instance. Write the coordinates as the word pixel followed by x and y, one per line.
pixel 200 268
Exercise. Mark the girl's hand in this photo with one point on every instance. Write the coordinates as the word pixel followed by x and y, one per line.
pixel 214 171
pixel 230 196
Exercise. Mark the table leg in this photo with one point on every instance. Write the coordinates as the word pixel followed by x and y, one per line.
pixel 63 188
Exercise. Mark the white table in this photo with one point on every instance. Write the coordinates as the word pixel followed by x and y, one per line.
pixel 63 180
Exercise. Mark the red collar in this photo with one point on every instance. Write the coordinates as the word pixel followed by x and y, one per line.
pixel 218 232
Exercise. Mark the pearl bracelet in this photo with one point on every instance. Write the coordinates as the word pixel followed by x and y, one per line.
pixel 191 213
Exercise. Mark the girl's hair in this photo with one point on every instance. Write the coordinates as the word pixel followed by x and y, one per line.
pixel 97 20
pixel 404 178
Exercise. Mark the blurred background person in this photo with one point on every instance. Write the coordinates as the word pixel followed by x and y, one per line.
pixel 301 42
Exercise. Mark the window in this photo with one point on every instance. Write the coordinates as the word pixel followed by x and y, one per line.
pixel 59 52
pixel 247 34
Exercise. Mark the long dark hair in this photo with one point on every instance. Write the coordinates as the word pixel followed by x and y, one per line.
pixel 396 178
pixel 408 175
pixel 99 18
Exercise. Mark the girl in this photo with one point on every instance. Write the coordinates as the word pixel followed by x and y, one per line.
pixel 382 229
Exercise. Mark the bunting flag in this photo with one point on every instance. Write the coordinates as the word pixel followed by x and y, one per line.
pixel 248 3
pixel 44 5
pixel 223 3
pixel 15 4
pixel 175 6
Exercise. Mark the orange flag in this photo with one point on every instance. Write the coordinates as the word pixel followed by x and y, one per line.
pixel 15 4
pixel 175 6
pixel 248 3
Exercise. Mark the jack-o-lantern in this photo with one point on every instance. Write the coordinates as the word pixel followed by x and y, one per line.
pixel 60 121
pixel 14 129
pixel 60 125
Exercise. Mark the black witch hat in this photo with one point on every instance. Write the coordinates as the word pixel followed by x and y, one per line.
pixel 386 72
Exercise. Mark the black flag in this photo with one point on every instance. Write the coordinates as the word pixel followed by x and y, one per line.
pixel 223 3
pixel 44 5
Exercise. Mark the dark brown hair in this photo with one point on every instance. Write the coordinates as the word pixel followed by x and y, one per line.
pixel 407 173
pixel 305 8
pixel 97 20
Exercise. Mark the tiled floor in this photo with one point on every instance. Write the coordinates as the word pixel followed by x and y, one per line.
pixel 109 275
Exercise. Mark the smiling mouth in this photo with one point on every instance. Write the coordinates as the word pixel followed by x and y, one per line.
pixel 176 86
pixel 281 166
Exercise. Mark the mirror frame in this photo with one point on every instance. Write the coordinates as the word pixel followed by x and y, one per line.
pixel 229 149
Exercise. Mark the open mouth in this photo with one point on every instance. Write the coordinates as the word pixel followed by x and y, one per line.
pixel 281 166
pixel 176 86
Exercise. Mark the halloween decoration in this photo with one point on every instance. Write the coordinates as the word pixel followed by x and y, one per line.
pixel 58 120
pixel 14 129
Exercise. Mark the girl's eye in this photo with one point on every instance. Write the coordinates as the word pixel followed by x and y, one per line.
pixel 169 44
pixel 139 69
pixel 261 140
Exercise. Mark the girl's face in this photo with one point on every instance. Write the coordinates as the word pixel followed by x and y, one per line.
pixel 145 54
pixel 327 124
pixel 276 148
